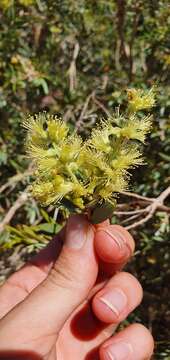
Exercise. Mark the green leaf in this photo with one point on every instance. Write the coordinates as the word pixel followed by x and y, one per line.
pixel 3 157
pixel 103 212
pixel 41 82
pixel 49 228
pixel 164 156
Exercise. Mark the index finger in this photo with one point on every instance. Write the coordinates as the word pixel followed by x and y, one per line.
pixel 114 246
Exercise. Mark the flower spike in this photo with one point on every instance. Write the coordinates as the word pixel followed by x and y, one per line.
pixel 79 175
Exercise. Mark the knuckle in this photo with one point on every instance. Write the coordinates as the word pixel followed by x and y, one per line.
pixel 66 274
pixel 62 275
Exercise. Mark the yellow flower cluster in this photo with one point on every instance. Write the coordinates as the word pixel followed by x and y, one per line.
pixel 80 175
pixel 5 4
pixel 140 99
pixel 26 2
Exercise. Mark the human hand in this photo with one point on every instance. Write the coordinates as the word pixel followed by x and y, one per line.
pixel 67 302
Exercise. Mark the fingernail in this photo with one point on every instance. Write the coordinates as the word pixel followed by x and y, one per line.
pixel 120 240
pixel 77 232
pixel 118 351
pixel 115 299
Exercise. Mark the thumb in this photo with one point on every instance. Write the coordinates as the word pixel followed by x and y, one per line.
pixel 75 271
pixel 47 308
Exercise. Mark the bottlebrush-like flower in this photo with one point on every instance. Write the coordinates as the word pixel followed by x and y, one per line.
pixel 141 99
pixel 81 176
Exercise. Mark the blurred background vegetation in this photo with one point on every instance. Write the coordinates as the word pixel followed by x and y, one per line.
pixel 76 59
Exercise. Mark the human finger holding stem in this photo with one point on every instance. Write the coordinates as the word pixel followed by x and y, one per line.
pixel 68 300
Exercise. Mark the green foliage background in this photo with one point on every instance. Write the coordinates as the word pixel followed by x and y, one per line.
pixel 60 55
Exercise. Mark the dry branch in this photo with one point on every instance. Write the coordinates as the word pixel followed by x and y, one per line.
pixel 13 180
pixel 150 209
pixel 23 197
pixel 137 196
pixel 72 71
pixel 96 101
pixel 141 200
pixel 100 105
pixel 83 112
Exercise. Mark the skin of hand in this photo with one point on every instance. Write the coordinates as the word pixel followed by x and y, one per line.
pixel 67 301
